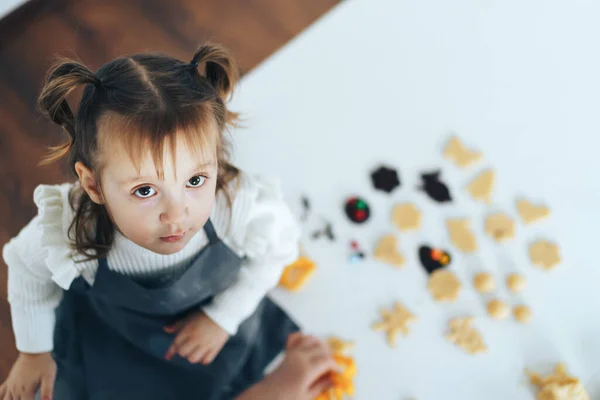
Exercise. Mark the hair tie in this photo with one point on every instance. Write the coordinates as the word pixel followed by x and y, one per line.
pixel 194 63
pixel 97 82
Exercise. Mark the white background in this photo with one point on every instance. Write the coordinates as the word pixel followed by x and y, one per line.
pixel 7 6
pixel 378 81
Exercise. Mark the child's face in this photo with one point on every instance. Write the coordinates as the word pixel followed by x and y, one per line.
pixel 161 215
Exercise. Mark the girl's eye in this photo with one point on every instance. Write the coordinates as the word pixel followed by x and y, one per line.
pixel 196 181
pixel 145 192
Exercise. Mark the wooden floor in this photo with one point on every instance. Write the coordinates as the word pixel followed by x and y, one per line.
pixel 97 31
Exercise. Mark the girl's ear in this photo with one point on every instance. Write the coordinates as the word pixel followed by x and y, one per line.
pixel 89 183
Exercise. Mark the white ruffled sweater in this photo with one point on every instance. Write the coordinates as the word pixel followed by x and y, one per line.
pixel 41 264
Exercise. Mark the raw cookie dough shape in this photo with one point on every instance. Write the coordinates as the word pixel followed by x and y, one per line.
pixel 484 282
pixel 465 336
pixel 305 208
pixel 530 212
pixel 357 210
pixel 481 187
pixel 443 285
pixel 558 386
pixel 394 322
pixel 434 187
pixel 387 251
pixel 385 179
pixel 461 235
pixel 406 217
pixel 339 346
pixel 433 259
pixel 500 227
pixel 295 275
pixel 326 231
pixel 342 381
pixel 544 254
pixel 516 282
pixel 498 309
pixel 456 152
pixel 522 313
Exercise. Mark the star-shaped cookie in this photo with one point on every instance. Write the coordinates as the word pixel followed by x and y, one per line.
pixel 394 321
pixel 339 346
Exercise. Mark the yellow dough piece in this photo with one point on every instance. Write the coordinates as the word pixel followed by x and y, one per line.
pixel 462 334
pixel 530 212
pixel 544 254
pixel 498 309
pixel 456 152
pixel 387 251
pixel 394 322
pixel 296 275
pixel 339 346
pixel 481 187
pixel 443 285
pixel 516 283
pixel 484 282
pixel 558 386
pixel 343 384
pixel 522 314
pixel 461 235
pixel 406 217
pixel 500 227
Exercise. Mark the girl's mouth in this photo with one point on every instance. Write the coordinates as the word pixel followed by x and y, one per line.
pixel 173 238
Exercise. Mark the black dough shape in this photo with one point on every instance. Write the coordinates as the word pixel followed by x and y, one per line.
pixel 429 263
pixel 357 210
pixel 385 179
pixel 305 208
pixel 327 231
pixel 435 189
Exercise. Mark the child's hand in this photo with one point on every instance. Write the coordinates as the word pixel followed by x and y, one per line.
pixel 302 375
pixel 29 372
pixel 199 339
pixel 304 369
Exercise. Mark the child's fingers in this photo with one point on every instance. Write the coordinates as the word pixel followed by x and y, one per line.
pixel 201 355
pixel 47 387
pixel 294 339
pixel 210 356
pixel 174 349
pixel 319 367
pixel 196 357
pixel 321 385
pixel 27 396
pixel 182 337
pixel 310 342
pixel 2 391
pixel 174 327
pixel 188 348
pixel 321 358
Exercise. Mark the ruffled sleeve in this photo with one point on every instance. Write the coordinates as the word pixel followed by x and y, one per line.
pixel 38 266
pixel 55 217
pixel 263 229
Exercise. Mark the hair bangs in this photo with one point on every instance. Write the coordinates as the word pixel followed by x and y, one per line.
pixel 155 133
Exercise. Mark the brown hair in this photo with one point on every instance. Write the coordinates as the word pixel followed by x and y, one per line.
pixel 148 97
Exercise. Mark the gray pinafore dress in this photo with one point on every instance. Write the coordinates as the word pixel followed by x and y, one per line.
pixel 109 342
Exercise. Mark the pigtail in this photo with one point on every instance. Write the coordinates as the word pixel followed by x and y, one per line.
pixel 61 80
pixel 221 71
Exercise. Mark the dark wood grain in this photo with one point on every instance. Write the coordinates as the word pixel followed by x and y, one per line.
pixel 96 32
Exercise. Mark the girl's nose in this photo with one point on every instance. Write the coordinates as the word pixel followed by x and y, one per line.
pixel 175 213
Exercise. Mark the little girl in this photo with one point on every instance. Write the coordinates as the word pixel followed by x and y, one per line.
pixel 146 279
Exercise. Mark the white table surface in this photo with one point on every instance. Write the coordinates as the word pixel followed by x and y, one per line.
pixel 378 81
pixel 8 6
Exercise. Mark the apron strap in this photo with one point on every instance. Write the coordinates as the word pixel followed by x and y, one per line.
pixel 209 229
pixel 102 263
